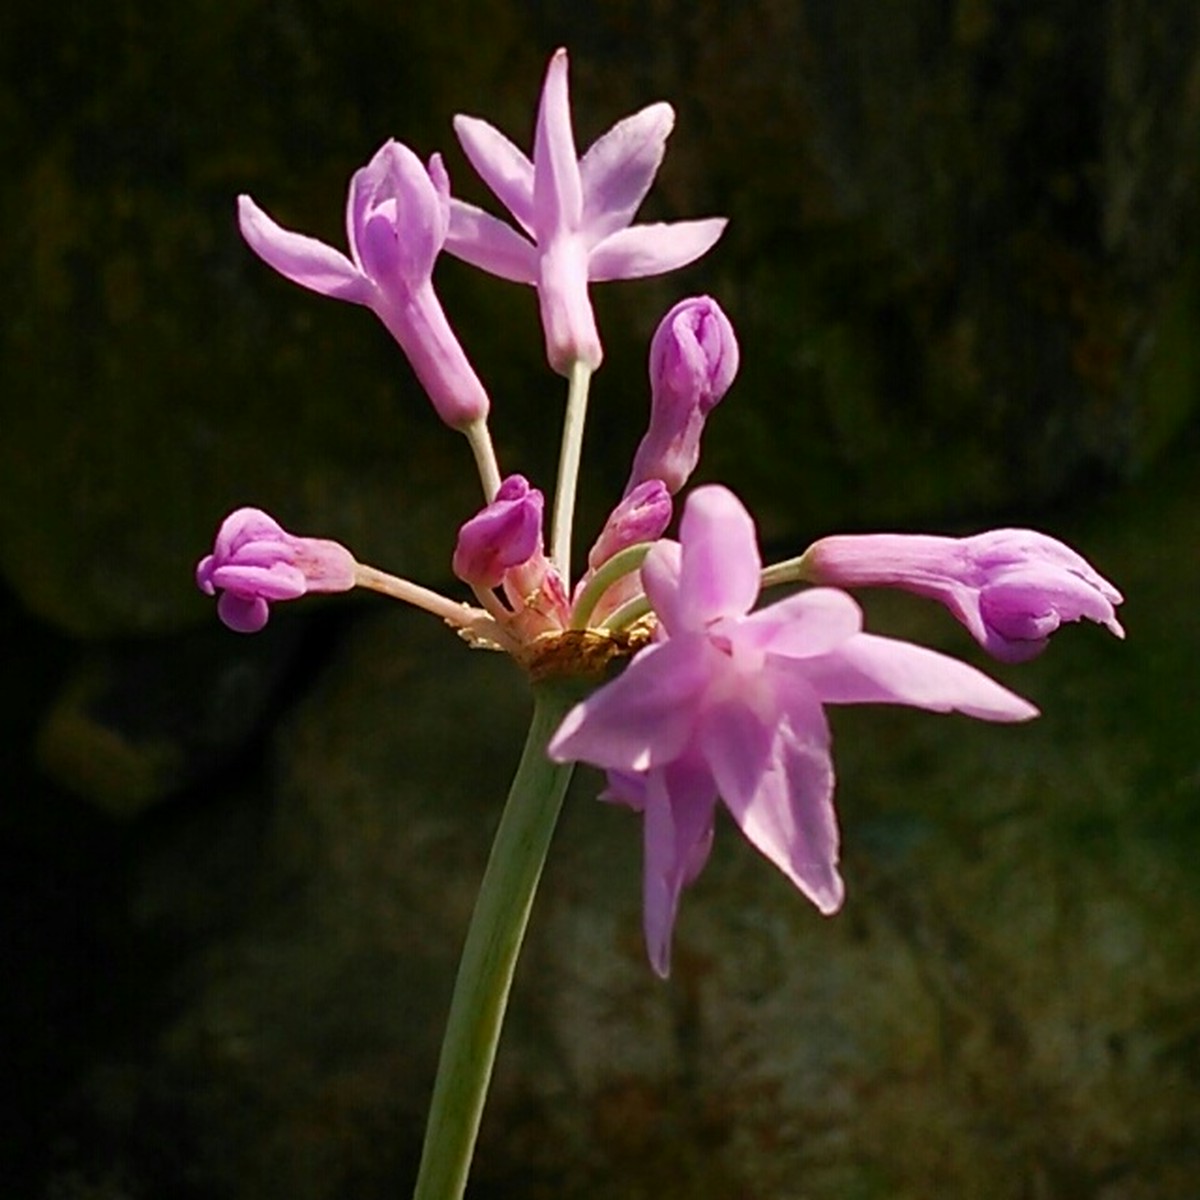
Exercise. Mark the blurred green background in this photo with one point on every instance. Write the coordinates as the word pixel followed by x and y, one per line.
pixel 235 871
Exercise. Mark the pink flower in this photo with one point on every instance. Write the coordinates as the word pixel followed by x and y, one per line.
pixel 693 361
pixel 728 704
pixel 575 214
pixel 397 215
pixel 255 561
pixel 1011 588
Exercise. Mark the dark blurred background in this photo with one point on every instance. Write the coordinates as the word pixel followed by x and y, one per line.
pixel 236 871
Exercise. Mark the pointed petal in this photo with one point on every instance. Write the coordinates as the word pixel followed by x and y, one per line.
pixel 303 260
pixel 557 189
pixel 489 244
pixel 801 626
pixel 619 168
pixel 868 669
pixel 660 578
pixel 643 718
pixel 720 569
pixel 679 809
pixel 504 168
pixel 641 250
pixel 785 808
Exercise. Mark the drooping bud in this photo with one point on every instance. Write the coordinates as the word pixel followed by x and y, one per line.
pixel 255 561
pixel 693 361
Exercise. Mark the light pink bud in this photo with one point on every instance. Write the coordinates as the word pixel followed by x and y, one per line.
pixel 693 361
pixel 1011 588
pixel 642 516
pixel 504 534
pixel 255 561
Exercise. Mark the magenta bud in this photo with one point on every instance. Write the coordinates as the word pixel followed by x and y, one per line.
pixel 255 561
pixel 504 534
pixel 693 361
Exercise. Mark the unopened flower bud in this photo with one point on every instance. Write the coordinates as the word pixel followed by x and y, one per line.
pixel 255 561
pixel 1011 588
pixel 504 534
pixel 693 361
pixel 642 516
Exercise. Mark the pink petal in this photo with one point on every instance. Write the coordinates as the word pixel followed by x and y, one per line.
pixel 660 578
pixel 720 569
pixel 303 260
pixel 781 794
pixel 485 242
pixel 801 626
pixel 557 189
pixel 279 582
pixel 876 670
pixel 504 168
pixel 619 168
pixel 680 804
pixel 641 250
pixel 644 717
pixel 243 614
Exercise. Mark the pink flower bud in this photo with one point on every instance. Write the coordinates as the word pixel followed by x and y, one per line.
pixel 1011 588
pixel 255 561
pixel 642 516
pixel 504 534
pixel 693 360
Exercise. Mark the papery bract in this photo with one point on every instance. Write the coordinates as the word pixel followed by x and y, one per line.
pixel 255 561
pixel 728 704
pixel 397 216
pixel 575 214
pixel 1011 588
pixel 693 361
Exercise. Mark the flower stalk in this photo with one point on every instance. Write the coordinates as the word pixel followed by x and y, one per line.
pixel 568 469
pixel 490 953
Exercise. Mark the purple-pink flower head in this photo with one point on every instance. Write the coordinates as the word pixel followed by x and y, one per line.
pixel 729 703
pixel 693 361
pixel 575 215
pixel 1011 588
pixel 505 534
pixel 397 216
pixel 255 561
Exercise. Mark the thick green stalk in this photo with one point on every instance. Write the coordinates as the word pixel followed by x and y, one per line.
pixel 489 956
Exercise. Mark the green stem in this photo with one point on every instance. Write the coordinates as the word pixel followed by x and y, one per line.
pixel 621 564
pixel 794 570
pixel 489 956
pixel 568 470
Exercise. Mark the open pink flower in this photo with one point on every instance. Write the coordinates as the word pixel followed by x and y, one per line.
pixel 255 561
pixel 575 214
pixel 728 704
pixel 397 215
pixel 1011 588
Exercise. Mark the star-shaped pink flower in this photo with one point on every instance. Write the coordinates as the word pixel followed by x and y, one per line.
pixel 729 703
pixel 575 214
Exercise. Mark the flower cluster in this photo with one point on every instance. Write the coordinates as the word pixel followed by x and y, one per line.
pixel 720 703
